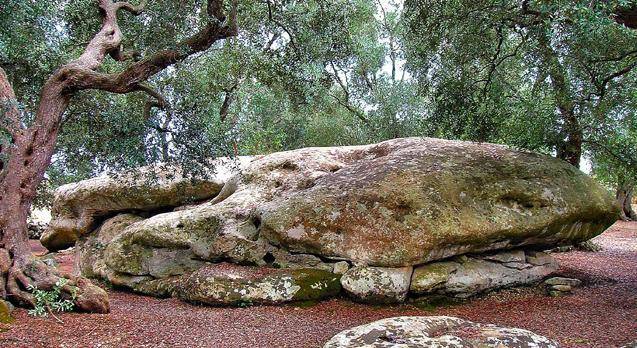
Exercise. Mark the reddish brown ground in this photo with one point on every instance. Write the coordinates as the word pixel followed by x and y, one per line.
pixel 602 313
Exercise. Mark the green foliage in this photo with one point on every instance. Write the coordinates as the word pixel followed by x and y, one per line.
pixel 493 69
pixel 51 301
pixel 337 72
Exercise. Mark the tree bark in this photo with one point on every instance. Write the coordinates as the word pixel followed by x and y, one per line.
pixel 26 155
pixel 624 196
pixel 627 16
pixel 570 150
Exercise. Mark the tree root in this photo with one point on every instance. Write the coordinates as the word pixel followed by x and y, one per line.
pixel 21 277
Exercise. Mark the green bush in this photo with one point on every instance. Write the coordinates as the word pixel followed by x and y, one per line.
pixel 52 301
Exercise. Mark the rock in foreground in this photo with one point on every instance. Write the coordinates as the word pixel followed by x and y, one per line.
pixel 436 332
pixel 389 207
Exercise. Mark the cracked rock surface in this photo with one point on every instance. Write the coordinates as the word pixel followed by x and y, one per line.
pixel 399 204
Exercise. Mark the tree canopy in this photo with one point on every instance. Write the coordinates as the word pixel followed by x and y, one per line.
pixel 556 77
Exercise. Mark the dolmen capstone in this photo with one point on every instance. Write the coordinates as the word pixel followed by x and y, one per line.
pixel 380 223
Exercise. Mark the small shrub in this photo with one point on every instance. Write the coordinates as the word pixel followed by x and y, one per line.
pixel 51 301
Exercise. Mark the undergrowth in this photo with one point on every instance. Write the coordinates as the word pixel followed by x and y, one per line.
pixel 48 302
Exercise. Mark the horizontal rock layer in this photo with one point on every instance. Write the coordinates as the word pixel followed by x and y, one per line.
pixel 466 276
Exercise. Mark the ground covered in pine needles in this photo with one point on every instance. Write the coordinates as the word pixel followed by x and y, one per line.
pixel 601 313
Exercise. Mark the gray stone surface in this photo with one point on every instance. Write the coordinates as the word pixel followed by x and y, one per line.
pixel 427 332
pixel 341 267
pixel 385 208
pixel 563 281
pixel 467 276
pixel 377 284
pixel 227 284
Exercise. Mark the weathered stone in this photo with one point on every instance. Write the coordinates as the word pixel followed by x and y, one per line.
pixel 377 284
pixel 77 206
pixel 556 293
pixel 411 201
pixel 538 258
pixel 589 245
pixel 563 281
pixel 340 267
pixel 518 265
pixel 92 298
pixel 400 203
pixel 283 259
pixel 435 332
pixel 89 258
pixel 468 276
pixel 226 284
pixel 5 312
pixel 507 256
pixel 563 288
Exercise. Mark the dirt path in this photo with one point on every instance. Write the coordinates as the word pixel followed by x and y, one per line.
pixel 603 313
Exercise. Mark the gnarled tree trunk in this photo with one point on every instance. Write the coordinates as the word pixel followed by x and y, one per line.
pixel 624 196
pixel 570 150
pixel 26 154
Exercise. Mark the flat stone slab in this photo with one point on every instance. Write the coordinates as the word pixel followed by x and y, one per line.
pixel 227 285
pixel 437 331
pixel 466 276
pixel 572 282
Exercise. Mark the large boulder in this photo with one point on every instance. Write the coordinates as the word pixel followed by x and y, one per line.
pixel 436 332
pixel 397 204
pixel 410 201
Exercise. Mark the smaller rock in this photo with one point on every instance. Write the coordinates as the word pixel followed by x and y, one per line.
pixel 436 331
pixel 555 293
pixel 91 298
pixel 589 245
pixel 430 277
pixel 49 260
pixel 562 288
pixel 538 258
pixel 507 257
pixel 5 312
pixel 286 260
pixel 563 281
pixel 377 284
pixel 475 275
pixel 340 267
pixel 231 285
pixel 517 265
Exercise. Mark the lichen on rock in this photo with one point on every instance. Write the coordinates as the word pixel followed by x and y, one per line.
pixel 226 284
pixel 435 331
pixel 470 275
pixel 392 206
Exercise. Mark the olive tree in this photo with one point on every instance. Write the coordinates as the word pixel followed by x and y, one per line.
pixel 29 138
